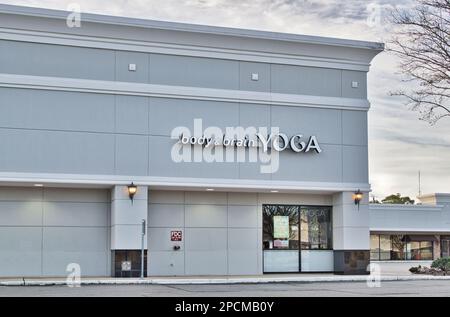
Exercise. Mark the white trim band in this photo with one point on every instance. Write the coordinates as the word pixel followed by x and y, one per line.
pixel 179 92
pixel 7 178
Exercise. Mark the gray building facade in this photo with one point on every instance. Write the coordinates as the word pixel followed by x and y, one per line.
pixel 86 111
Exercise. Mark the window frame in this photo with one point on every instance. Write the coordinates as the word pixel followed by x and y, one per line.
pixel 420 250
pixel 378 250
pixel 330 210
pixel 299 250
pixel 447 240
pixel 298 224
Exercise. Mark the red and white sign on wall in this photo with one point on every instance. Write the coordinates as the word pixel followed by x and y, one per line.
pixel 176 236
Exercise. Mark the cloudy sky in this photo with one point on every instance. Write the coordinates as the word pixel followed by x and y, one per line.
pixel 400 144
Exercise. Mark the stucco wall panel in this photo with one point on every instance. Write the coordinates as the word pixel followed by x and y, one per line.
pixel 56 60
pixel 21 253
pixel 42 230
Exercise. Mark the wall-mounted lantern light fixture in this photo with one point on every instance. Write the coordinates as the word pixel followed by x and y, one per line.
pixel 357 197
pixel 132 189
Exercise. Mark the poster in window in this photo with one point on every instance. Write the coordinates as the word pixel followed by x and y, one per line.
pixel 126 265
pixel 281 244
pixel 281 227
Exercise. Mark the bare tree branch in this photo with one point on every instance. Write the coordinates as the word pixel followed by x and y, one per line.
pixel 422 42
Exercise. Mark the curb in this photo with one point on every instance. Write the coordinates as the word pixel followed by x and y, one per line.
pixel 206 281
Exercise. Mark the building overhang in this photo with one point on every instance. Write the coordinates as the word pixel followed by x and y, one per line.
pixel 178 183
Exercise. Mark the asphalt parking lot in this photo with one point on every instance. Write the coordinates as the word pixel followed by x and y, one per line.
pixel 398 288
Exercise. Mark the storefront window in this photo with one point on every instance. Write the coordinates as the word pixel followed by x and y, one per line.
pixel 284 226
pixel 398 248
pixel 445 247
pixel 401 247
pixel 421 250
pixel 315 228
pixel 280 227
pixel 414 253
pixel 374 247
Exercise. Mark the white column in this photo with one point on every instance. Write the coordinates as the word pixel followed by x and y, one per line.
pixel 126 218
pixel 351 233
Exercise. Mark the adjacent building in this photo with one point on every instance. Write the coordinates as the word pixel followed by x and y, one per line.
pixel 409 235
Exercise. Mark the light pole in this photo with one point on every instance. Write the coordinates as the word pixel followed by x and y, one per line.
pixel 142 248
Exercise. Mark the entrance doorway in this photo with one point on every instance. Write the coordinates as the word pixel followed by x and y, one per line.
pixel 297 238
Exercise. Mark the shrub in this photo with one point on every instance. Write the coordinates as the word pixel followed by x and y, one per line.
pixel 442 264
pixel 415 269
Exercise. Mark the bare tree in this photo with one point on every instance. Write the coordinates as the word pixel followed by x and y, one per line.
pixel 422 42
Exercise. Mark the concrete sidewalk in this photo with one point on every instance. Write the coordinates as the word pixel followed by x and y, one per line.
pixel 294 278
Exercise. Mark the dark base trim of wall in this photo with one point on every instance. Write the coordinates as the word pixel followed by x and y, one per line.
pixel 351 262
